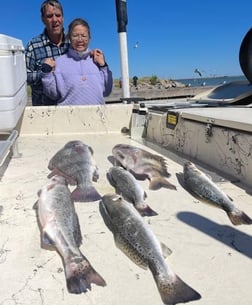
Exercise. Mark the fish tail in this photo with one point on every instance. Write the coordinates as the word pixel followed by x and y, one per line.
pixel 173 290
pixel 147 211
pixel 238 217
pixel 80 274
pixel 159 182
pixel 85 194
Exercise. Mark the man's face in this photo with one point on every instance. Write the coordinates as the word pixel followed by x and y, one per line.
pixel 53 20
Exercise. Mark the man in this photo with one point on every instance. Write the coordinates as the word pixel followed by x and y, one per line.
pixel 48 45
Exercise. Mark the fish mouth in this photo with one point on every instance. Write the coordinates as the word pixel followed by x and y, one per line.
pixel 188 164
pixel 59 180
pixel 104 213
pixel 119 155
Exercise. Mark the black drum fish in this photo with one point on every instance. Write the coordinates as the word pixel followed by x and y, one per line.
pixel 76 163
pixel 144 164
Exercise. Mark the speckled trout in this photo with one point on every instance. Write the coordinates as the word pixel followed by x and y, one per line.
pixel 76 163
pixel 136 240
pixel 199 184
pixel 125 184
pixel 60 228
pixel 144 164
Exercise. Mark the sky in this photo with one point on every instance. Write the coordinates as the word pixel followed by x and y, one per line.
pixel 174 37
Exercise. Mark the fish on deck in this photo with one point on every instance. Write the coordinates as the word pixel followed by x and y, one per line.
pixel 136 240
pixel 76 163
pixel 143 164
pixel 126 185
pixel 202 186
pixel 60 229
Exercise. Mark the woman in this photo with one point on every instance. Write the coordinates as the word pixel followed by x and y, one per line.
pixel 81 76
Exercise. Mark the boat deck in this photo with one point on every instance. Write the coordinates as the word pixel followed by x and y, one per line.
pixel 208 252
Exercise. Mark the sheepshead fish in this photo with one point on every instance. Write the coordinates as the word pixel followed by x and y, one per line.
pixel 126 185
pixel 136 240
pixel 76 163
pixel 143 164
pixel 199 184
pixel 60 228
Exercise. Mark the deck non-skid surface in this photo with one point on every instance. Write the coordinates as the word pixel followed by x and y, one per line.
pixel 209 253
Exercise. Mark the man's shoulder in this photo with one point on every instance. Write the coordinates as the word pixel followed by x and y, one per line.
pixel 38 38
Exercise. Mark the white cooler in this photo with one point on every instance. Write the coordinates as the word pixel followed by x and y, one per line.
pixel 13 88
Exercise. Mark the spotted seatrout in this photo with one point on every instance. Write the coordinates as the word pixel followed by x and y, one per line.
pixel 199 184
pixel 144 164
pixel 60 228
pixel 134 237
pixel 126 185
pixel 76 163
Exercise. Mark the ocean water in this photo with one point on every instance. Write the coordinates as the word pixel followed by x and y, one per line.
pixel 210 81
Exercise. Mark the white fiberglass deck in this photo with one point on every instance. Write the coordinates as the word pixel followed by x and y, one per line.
pixel 209 253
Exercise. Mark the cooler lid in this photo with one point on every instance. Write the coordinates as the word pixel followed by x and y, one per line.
pixel 8 43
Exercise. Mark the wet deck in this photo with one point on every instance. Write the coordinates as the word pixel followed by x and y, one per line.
pixel 209 253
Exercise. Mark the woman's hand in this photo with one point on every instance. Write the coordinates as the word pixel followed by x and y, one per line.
pixel 98 57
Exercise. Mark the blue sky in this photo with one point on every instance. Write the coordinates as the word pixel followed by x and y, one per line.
pixel 175 37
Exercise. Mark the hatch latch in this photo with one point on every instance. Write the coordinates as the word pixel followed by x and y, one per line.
pixel 208 131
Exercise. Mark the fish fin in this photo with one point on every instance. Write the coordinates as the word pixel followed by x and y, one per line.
pixel 80 274
pixel 58 172
pixel 145 195
pixel 106 217
pixel 146 211
pixel 85 194
pixel 238 217
pixel 95 177
pixel 230 198
pixel 180 178
pixel 158 182
pixel 35 205
pixel 46 240
pixel 110 179
pixel 166 250
pixel 173 290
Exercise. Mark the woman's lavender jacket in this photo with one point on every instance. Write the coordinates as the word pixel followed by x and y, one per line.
pixel 77 80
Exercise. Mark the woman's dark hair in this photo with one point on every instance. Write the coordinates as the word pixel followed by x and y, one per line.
pixel 78 21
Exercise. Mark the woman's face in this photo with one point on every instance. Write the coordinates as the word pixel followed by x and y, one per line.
pixel 79 38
